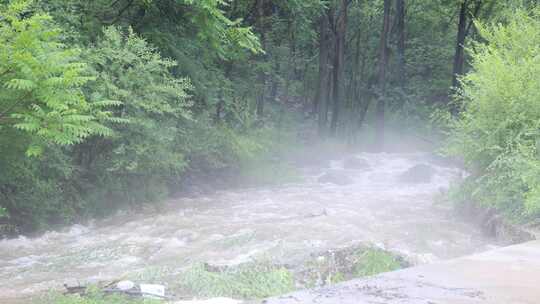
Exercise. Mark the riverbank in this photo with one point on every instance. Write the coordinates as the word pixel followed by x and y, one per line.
pixel 501 276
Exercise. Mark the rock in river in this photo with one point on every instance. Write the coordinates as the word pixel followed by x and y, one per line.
pixel 337 177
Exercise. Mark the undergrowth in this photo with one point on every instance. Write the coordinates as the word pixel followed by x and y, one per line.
pixel 250 281
pixel 260 279
pixel 94 297
pixel 375 261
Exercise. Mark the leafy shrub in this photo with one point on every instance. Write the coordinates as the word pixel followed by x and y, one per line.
pixel 42 81
pixel 497 134
pixel 375 261
pixel 42 108
pixel 134 165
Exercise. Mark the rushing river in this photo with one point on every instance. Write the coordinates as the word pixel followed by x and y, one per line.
pixel 284 223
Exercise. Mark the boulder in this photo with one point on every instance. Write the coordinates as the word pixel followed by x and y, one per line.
pixel 356 163
pixel 335 177
pixel 418 174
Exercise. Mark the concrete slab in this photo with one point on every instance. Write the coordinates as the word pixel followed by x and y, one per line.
pixel 509 275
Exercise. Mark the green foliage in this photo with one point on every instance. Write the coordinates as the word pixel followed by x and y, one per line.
pixel 497 132
pixel 156 137
pixel 154 103
pixel 225 36
pixel 375 261
pixel 247 282
pixel 339 265
pixel 135 165
pixel 41 83
pixel 94 297
pixel 218 147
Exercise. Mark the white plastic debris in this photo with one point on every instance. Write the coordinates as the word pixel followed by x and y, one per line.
pixel 152 290
pixel 125 285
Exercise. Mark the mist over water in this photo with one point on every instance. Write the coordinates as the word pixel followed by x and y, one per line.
pixel 284 223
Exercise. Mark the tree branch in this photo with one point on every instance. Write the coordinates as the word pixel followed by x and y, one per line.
pixel 4 113
pixel 122 11
pixel 473 16
pixel 5 72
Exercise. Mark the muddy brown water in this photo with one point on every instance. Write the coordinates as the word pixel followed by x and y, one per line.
pixel 285 223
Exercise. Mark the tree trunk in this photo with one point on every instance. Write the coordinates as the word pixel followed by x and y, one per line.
pixel 364 89
pixel 400 11
pixel 362 100
pixel 221 102
pixel 275 82
pixel 459 55
pixel 352 98
pixel 338 93
pixel 290 69
pixel 383 59
pixel 321 97
pixel 261 78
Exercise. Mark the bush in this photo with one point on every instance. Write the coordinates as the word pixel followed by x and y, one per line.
pixel 41 93
pixel 374 261
pixel 497 133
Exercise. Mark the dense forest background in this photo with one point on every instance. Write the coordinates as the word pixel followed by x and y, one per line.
pixel 110 103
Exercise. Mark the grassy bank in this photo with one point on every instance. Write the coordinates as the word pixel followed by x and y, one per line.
pixel 261 279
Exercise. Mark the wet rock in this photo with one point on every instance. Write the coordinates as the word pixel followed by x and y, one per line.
pixel 356 163
pixel 496 226
pixel 335 177
pixel 418 174
pixel 74 289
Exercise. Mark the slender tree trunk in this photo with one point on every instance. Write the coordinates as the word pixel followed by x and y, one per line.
pixel 353 104
pixel 321 97
pixel 290 69
pixel 219 107
pixel 363 102
pixel 459 56
pixel 400 12
pixel 383 59
pixel 275 82
pixel 353 80
pixel 305 88
pixel 261 78
pixel 329 94
pixel 362 97
pixel 221 102
pixel 338 93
